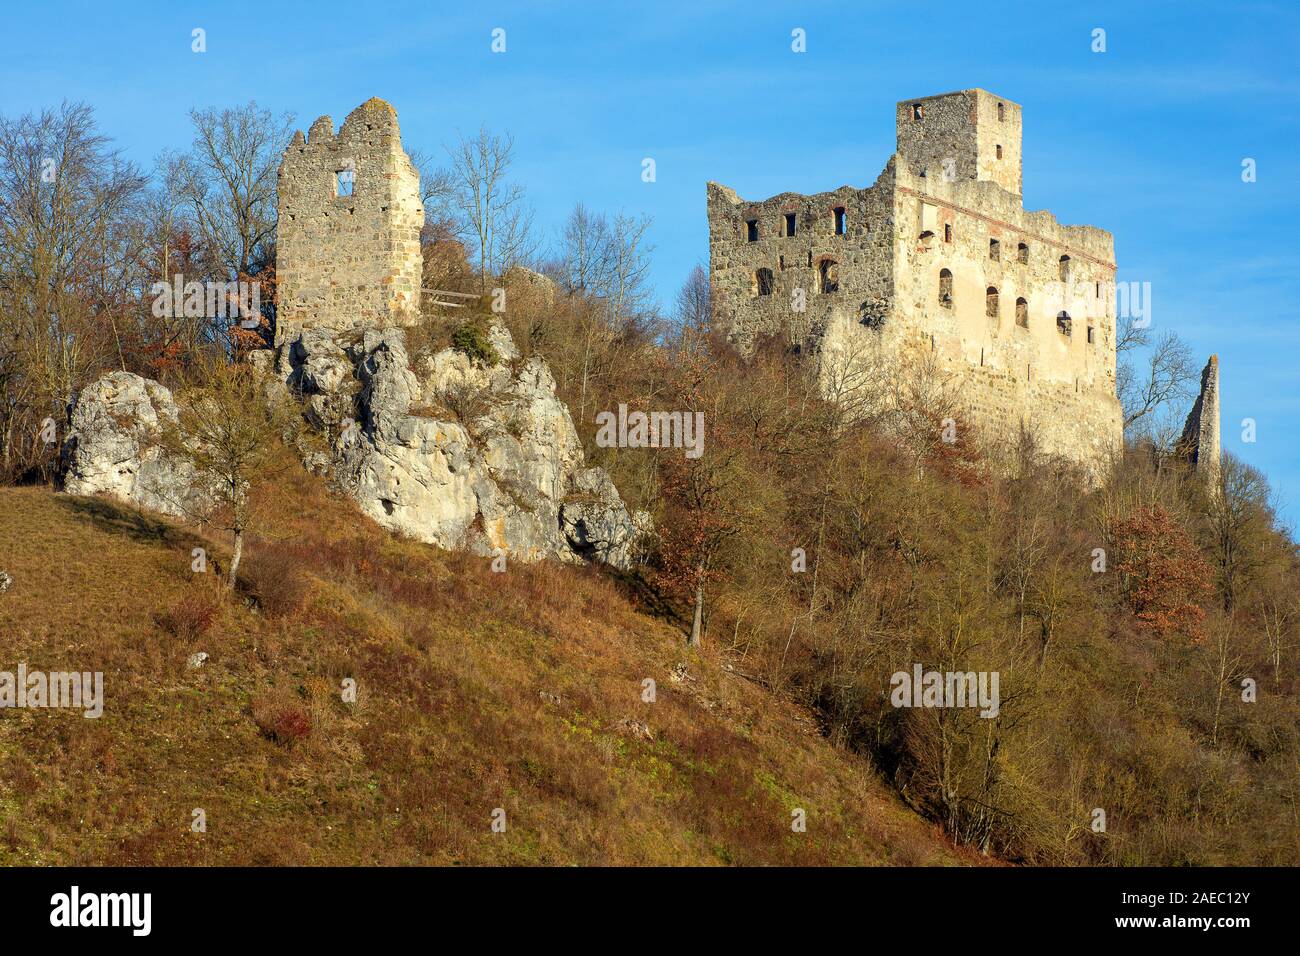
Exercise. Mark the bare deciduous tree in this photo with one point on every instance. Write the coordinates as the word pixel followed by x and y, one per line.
pixel 228 180
pixel 1167 376
pixel 65 262
pixel 494 209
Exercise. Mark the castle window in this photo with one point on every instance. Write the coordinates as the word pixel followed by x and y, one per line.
pixel 918 111
pixel 999 148
pixel 1091 332
pixel 1065 268
pixel 751 230
pixel 1064 324
pixel 828 274
pixel 343 180
pixel 1022 254
pixel 995 250
pixel 991 302
pixel 1022 313
pixel 790 223
pixel 945 288
pixel 780 262
pixel 925 241
pixel 947 232
pixel 1001 113
pixel 763 282
pixel 1096 290
pixel 841 221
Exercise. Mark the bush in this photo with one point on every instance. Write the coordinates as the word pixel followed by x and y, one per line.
pixel 472 339
pixel 276 582
pixel 281 717
pixel 191 618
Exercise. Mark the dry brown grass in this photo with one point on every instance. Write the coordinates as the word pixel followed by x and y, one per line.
pixel 475 691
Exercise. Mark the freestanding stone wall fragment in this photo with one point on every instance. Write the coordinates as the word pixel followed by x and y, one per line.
pixel 348 239
pixel 1200 439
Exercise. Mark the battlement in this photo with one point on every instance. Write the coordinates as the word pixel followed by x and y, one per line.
pixel 348 239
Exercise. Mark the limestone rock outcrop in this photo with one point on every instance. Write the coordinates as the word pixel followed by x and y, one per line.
pixel 112 446
pixel 448 449
pixel 458 452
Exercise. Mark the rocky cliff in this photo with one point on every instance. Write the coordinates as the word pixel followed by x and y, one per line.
pixel 455 450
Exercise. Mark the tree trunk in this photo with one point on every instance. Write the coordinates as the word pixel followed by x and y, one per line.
pixel 697 625
pixel 234 558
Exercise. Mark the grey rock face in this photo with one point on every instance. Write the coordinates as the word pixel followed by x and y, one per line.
pixel 461 454
pixel 457 454
pixel 111 447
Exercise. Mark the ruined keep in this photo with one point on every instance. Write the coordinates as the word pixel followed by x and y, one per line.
pixel 939 261
pixel 348 239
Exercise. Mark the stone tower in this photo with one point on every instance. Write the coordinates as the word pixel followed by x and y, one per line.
pixel 968 135
pixel 1201 433
pixel 348 239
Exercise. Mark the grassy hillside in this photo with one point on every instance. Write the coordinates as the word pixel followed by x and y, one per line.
pixel 475 690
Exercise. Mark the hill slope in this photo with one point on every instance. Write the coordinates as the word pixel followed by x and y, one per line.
pixel 475 691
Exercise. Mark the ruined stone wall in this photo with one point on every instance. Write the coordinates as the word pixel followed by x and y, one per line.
pixel 346 261
pixel 1049 366
pixel 856 263
pixel 1023 364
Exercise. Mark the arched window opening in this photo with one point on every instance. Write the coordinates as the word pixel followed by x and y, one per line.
pixel 1022 313
pixel 1065 268
pixel 991 302
pixel 945 288
pixel 995 250
pixel 925 241
pixel 828 274
pixel 1064 324
pixel 1022 254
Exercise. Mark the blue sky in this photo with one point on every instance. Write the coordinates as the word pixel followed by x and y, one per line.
pixel 1145 140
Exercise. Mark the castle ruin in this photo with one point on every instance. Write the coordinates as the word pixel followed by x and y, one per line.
pixel 939 259
pixel 348 240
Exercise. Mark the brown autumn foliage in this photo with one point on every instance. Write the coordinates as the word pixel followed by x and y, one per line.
pixel 1164 576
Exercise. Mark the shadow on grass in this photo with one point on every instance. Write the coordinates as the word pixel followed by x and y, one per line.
pixel 119 519
pixel 648 598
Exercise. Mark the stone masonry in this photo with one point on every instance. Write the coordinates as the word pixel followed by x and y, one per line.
pixel 938 256
pixel 1200 440
pixel 348 239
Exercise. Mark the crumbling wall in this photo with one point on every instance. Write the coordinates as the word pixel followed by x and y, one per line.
pixel 346 261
